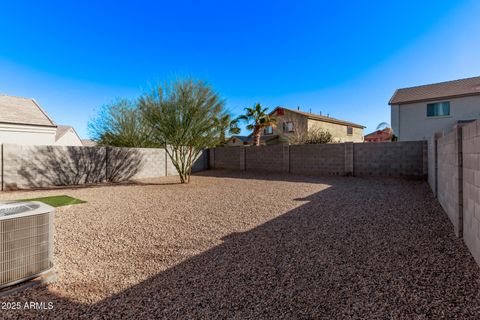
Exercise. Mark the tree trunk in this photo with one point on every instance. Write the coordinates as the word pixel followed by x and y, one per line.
pixel 256 134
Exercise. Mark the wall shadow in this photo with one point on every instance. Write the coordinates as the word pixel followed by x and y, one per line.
pixel 49 166
pixel 123 164
pixel 349 252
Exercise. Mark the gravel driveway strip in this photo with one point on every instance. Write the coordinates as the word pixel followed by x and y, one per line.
pixel 244 246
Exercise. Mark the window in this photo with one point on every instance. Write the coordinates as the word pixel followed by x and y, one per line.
pixel 288 127
pixel 439 109
pixel 268 130
pixel 349 131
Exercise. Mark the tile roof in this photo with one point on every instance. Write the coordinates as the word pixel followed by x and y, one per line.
pixel 436 91
pixel 322 118
pixel 18 110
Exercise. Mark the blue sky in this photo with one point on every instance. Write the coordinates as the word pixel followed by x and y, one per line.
pixel 344 59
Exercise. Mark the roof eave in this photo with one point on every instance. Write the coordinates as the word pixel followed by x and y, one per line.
pixel 391 103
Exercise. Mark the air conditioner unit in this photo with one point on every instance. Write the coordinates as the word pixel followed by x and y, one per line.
pixel 26 241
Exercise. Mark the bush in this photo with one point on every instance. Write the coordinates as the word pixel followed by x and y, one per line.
pixel 313 136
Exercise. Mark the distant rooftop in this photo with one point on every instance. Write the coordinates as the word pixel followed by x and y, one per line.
pixel 18 110
pixel 88 143
pixel 437 91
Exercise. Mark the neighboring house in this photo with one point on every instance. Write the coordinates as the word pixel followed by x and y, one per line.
pixel 384 135
pixel 88 143
pixel 290 122
pixel 417 113
pixel 23 121
pixel 67 136
pixel 235 141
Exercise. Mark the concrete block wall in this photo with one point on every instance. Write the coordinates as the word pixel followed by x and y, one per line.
pixel 432 164
pixel 471 187
pixel 264 158
pixel 227 158
pixel 399 159
pixel 390 159
pixel 26 167
pixel 449 177
pixel 45 166
pixel 457 180
pixel 318 159
pixel 135 163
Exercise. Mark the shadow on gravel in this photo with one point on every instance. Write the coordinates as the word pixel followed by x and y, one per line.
pixel 356 250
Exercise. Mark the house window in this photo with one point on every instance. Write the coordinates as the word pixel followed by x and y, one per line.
pixel 439 109
pixel 288 127
pixel 268 130
pixel 349 131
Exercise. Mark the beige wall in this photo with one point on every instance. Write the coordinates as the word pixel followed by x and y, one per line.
pixel 27 134
pixel 70 138
pixel 338 131
pixel 410 121
pixel 302 124
pixel 299 123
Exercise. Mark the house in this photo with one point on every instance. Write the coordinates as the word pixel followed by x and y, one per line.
pixel 67 136
pixel 291 122
pixel 23 121
pixel 419 112
pixel 384 135
pixel 235 141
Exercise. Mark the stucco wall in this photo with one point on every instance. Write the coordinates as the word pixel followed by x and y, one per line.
pixel 27 134
pixel 413 123
pixel 299 123
pixel 70 138
pixel 338 131
pixel 302 124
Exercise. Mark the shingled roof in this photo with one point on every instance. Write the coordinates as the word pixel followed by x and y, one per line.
pixel 437 91
pixel 322 118
pixel 18 110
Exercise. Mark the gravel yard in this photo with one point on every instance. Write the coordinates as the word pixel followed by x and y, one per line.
pixel 235 245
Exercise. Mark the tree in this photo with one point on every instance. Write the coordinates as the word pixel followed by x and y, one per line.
pixel 120 124
pixel 312 136
pixel 257 119
pixel 226 125
pixel 182 117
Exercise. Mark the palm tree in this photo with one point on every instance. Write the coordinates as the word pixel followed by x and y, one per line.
pixel 257 119
pixel 226 124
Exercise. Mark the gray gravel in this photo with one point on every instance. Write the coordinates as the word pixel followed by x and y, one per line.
pixel 234 245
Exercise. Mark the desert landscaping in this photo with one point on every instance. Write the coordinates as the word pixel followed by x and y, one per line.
pixel 238 245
